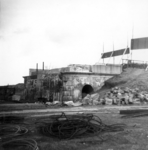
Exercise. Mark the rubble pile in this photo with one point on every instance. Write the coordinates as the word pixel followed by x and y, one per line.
pixel 92 99
pixel 124 96
pixel 117 96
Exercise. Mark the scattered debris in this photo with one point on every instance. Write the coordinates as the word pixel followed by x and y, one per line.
pixel 125 96
pixel 71 103
pixel 92 99
pixel 116 96
pixel 16 97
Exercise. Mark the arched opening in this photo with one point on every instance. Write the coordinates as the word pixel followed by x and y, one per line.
pixel 87 89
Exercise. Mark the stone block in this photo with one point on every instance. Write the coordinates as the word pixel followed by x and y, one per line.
pixel 71 92
pixel 95 97
pixel 69 88
pixel 108 101
pixel 67 93
pixel 64 88
pixel 67 98
pixel 70 98
pixel 69 83
pixel 76 94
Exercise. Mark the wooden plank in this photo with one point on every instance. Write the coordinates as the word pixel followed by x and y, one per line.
pixel 133 111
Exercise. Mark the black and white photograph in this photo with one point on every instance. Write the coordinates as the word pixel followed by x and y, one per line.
pixel 73 75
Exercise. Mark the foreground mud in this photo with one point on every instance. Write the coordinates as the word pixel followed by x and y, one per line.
pixel 133 137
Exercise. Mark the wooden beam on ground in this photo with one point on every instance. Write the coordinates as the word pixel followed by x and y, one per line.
pixel 133 111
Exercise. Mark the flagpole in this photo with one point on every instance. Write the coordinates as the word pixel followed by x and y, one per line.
pixel 122 56
pixel 110 56
pixel 132 38
pixel 113 56
pixel 127 46
pixel 103 52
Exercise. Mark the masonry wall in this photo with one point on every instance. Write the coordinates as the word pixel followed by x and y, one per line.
pixel 75 77
pixel 74 84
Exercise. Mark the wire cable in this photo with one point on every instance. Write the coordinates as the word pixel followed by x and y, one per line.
pixel 72 126
pixel 24 144
pixel 9 131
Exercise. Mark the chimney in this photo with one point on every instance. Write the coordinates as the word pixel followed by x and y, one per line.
pixel 37 68
pixel 43 65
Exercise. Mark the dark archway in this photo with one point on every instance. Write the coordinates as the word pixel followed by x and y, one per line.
pixel 87 89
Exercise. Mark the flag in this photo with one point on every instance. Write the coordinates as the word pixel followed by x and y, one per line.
pixel 106 55
pixel 116 53
pixel 139 43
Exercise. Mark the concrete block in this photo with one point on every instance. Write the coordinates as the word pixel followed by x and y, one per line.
pixel 71 92
pixel 16 97
pixel 76 94
pixel 67 93
pixel 69 88
pixel 70 98
pixel 69 83
pixel 67 98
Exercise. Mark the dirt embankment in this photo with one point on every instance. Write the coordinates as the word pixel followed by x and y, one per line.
pixel 131 77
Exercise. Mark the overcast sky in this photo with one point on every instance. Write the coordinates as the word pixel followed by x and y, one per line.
pixel 63 32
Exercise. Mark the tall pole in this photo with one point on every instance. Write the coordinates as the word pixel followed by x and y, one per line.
pixel 37 68
pixel 110 56
pixel 113 56
pixel 127 46
pixel 103 52
pixel 132 38
pixel 43 66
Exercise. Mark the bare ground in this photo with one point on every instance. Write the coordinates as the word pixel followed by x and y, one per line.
pixel 134 137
